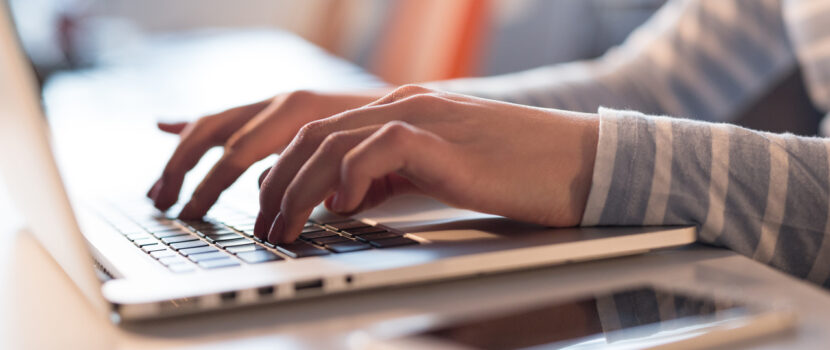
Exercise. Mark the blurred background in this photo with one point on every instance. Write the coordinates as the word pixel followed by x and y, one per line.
pixel 401 41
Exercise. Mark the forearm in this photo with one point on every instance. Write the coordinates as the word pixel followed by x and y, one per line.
pixel 763 195
pixel 577 86
pixel 693 59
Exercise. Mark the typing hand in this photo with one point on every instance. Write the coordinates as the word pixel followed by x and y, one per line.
pixel 525 163
pixel 248 134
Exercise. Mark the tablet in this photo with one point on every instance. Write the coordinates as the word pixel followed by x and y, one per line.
pixel 636 317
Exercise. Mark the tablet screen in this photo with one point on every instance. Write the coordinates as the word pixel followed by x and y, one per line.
pixel 621 318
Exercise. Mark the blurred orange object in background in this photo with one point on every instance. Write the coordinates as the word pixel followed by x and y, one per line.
pixel 431 40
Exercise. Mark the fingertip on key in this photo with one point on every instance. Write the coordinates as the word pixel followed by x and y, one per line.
pixel 259 227
pixel 189 212
pixel 276 231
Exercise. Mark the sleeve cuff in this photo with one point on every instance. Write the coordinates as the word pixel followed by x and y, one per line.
pixel 623 169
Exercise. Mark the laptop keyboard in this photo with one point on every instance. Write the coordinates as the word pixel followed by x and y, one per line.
pixel 226 239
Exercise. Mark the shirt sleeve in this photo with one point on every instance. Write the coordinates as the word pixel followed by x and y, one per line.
pixel 760 194
pixel 705 60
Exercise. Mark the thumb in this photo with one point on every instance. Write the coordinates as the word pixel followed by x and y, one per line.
pixel 172 128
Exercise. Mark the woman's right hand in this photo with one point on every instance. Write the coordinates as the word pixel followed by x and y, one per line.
pixel 248 133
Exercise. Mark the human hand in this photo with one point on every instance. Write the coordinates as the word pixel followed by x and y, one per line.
pixel 248 133
pixel 521 162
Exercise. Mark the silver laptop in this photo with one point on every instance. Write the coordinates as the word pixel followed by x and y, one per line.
pixel 133 262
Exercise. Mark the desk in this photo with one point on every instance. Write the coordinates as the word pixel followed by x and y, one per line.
pixel 41 309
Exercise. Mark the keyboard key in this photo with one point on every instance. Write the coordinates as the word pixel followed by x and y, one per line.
pixel 170 228
pixel 233 242
pixel 179 238
pixel 197 250
pixel 239 222
pixel 258 256
pixel 190 244
pixel 300 249
pixel 159 227
pixel 215 229
pixel 392 242
pixel 337 221
pixel 377 235
pixel 140 235
pixel 345 247
pixel 329 240
pixel 163 253
pixel 218 263
pixel 349 225
pixel 312 228
pixel 153 248
pixel 130 229
pixel 181 268
pixel 170 233
pixel 221 237
pixel 317 234
pixel 245 248
pixel 364 230
pixel 247 233
pixel 145 242
pixel 207 256
pixel 170 260
pixel 199 223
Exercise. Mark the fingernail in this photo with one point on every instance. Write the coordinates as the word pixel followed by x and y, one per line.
pixel 276 229
pixel 259 227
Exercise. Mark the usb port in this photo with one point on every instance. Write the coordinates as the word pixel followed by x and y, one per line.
pixel 227 297
pixel 265 291
pixel 309 285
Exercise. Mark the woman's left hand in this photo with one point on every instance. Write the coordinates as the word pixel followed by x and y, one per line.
pixel 521 162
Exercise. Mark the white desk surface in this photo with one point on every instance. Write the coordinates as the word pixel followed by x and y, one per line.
pixel 42 310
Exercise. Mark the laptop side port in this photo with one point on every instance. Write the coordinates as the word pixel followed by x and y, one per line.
pixel 309 286
pixel 265 292
pixel 179 305
pixel 227 297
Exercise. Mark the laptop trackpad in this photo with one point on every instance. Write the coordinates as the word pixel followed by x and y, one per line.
pixel 437 222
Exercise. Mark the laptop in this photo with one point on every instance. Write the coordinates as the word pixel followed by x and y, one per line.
pixel 134 263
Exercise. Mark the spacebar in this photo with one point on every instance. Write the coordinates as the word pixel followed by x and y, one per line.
pixel 300 249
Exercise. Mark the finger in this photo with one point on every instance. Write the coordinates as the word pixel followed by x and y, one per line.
pixel 221 176
pixel 418 155
pixel 262 177
pixel 172 128
pixel 315 181
pixel 379 191
pixel 401 93
pixel 154 190
pixel 197 139
pixel 312 134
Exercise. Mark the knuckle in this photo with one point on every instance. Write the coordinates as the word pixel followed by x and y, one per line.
pixel 423 100
pixel 298 97
pixel 311 131
pixel 411 89
pixel 396 131
pixel 334 141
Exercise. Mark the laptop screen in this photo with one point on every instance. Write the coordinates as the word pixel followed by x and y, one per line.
pixel 33 21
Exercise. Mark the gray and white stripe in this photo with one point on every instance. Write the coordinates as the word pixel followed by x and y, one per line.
pixel 767 194
pixel 763 195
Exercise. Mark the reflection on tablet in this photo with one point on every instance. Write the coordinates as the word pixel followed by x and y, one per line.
pixel 633 318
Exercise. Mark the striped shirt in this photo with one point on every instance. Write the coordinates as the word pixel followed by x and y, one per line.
pixel 760 194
